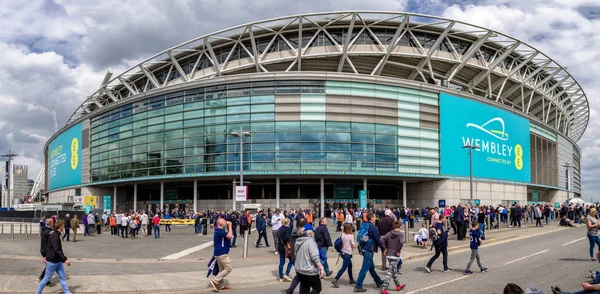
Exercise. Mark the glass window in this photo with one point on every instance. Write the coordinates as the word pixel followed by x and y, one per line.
pixel 263 126
pixel 363 148
pixel 385 158
pixel 126 142
pixel 156 112
pixel 156 120
pixel 156 146
pixel 156 128
pixel 196 141
pixel 317 146
pixel 139 124
pixel 367 138
pixel 288 125
pixel 287 155
pixel 174 117
pixel 193 132
pixel 174 125
pixel 193 122
pixel 140 148
pixel 158 136
pixel 363 157
pixel 338 147
pixel 194 114
pixel 194 105
pixel 386 139
pixel 263 108
pixel 263 99
pixel 174 153
pixel 238 101
pixel 385 149
pixel 313 156
pixel 338 137
pixel 194 150
pixel 140 140
pixel 215 111
pixel 263 137
pixel 215 120
pixel 313 136
pixel 262 156
pixel 313 126
pixel 288 136
pixel 126 151
pixel 174 109
pixel 386 129
pixel 140 116
pixel 262 116
pixel 238 118
pixel 238 109
pixel 125 127
pixel 287 146
pixel 172 144
pixel 140 131
pixel 336 156
pixel 263 147
pixel 174 134
pixel 338 126
pixel 363 128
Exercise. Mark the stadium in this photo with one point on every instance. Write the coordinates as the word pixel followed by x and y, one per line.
pixel 327 108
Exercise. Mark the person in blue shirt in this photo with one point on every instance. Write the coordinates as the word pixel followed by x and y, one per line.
pixel 475 242
pixel 261 227
pixel 167 226
pixel 222 243
pixel 441 245
pixel 367 250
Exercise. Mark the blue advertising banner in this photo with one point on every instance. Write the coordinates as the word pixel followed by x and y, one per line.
pixel 64 159
pixel 107 203
pixel 502 137
pixel 362 199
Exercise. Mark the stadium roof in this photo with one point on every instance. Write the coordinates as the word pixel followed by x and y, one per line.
pixel 423 48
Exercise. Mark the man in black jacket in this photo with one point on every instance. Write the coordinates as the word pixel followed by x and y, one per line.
pixel 459 218
pixel 323 240
pixel 44 244
pixel 55 258
pixel 67 228
pixel 386 225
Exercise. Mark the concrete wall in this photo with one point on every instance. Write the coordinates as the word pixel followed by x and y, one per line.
pixel 456 191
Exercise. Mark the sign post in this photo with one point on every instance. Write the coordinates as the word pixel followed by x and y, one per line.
pixel 241 193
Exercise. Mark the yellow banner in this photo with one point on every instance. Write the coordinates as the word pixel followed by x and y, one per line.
pixel 176 221
pixel 90 201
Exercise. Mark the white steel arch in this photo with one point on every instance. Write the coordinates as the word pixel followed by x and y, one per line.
pixel 408 46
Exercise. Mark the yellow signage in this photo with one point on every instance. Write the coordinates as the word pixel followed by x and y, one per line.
pixel 176 221
pixel 90 201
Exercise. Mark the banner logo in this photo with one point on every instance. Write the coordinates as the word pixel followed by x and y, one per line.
pixel 501 135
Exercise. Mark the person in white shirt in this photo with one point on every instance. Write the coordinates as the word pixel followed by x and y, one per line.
pixel 276 224
pixel 422 236
pixel 349 219
pixel 124 227
pixel 144 222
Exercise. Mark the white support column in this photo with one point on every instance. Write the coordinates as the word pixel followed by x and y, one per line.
pixel 134 197
pixel 365 184
pixel 115 199
pixel 162 196
pixel 195 195
pixel 404 193
pixel 322 197
pixel 233 195
pixel 277 193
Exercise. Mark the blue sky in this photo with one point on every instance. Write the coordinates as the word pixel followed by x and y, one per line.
pixel 55 52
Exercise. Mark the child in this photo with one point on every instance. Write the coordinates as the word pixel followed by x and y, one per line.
pixel 424 236
pixel 475 243
pixel 392 244
pixel 132 226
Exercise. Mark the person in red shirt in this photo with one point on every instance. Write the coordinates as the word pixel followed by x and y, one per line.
pixel 156 223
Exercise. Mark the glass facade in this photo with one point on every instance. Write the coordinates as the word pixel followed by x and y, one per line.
pixel 190 132
pixel 543 161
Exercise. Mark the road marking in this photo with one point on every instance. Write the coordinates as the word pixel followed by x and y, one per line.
pixel 437 285
pixel 574 241
pixel 191 250
pixel 519 259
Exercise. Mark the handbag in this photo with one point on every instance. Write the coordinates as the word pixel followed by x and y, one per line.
pixel 288 250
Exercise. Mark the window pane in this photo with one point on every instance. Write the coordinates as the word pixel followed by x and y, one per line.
pixel 288 136
pixel 338 137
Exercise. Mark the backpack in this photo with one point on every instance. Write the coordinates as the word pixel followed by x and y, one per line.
pixel 338 244
pixel 363 237
pixel 433 235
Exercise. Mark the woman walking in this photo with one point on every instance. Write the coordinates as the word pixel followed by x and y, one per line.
pixel 284 237
pixel 592 231
pixel 348 245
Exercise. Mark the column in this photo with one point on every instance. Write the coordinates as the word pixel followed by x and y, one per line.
pixel 162 195
pixel 195 195
pixel 134 197
pixel 322 197
pixel 365 188
pixel 233 191
pixel 263 191
pixel 277 192
pixel 298 191
pixel 404 193
pixel 115 199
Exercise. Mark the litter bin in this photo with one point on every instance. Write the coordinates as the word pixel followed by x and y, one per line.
pixel 150 229
pixel 411 222
pixel 204 226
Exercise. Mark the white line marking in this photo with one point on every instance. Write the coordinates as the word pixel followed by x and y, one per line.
pixel 191 250
pixel 574 241
pixel 519 259
pixel 437 285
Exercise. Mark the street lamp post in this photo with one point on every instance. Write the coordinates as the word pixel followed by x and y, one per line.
pixel 9 177
pixel 241 134
pixel 568 180
pixel 470 149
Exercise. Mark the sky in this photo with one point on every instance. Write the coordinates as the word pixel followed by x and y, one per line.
pixel 54 53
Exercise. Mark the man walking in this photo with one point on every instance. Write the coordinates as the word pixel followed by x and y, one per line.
pixel 156 226
pixel 243 224
pixel 386 225
pixel 144 220
pixel 45 233
pixel 538 216
pixel 54 259
pixel 441 245
pixel 222 242
pixel 67 228
pixel 323 240
pixel 74 227
pixel 276 220
pixel 261 227
pixel 368 241
pixel 459 218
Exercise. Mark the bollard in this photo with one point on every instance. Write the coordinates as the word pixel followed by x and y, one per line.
pixel 488 222
pixel 26 233
pixel 20 229
pixel 30 228
pixel 12 231
pixel 427 223
pixel 2 230
pixel 245 251
pixel 446 225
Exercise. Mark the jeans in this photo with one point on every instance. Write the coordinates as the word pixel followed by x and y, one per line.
pixel 593 241
pixel 199 229
pixel 367 266
pixel 282 263
pixel 482 231
pixel 392 272
pixel 547 219
pixel 346 265
pixel 323 253
pixel 538 221
pixel 582 292
pixel 416 218
pixel 262 234
pixel 67 234
pixel 234 236
pixel 119 228
pixel 309 282
pixel 474 255
pixel 85 230
pixel 444 252
pixel 167 228
pixel 156 231
pixel 52 267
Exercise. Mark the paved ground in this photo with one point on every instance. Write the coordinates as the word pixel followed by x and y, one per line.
pixel 97 261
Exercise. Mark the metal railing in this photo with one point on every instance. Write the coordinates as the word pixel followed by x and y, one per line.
pixel 13 229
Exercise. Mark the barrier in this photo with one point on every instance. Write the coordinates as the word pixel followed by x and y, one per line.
pixel 177 221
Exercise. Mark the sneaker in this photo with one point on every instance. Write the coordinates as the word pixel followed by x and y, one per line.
pixel 233 246
pixel 255 244
pixel 594 260
pixel 40 280
pixel 225 288
pixel 468 272
pixel 352 282
pixel 358 290
pixel 427 269
pixel 335 283
pixel 447 270
pixel 280 280
pixel 276 252
pixel 380 285
pixel 485 269
pixel 400 287
pixel 555 290
pixel 268 246
pixel 215 285
pixel 384 291
pixel 288 291
pixel 329 274
pixel 287 278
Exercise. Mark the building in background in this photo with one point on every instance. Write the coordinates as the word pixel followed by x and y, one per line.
pixel 20 185
pixel 337 103
pixel 30 184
